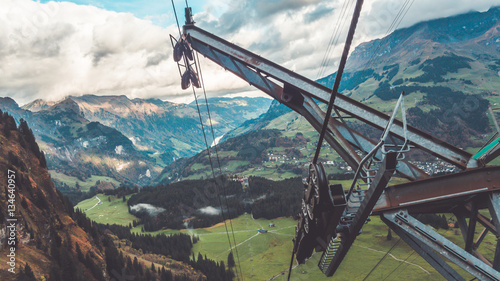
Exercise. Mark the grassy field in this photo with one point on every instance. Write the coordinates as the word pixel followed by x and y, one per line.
pixel 267 255
pixel 84 185
pixel 111 210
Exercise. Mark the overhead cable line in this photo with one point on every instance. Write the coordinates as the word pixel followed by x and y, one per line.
pixel 345 52
pixel 333 39
pixel 340 71
pixel 382 259
pixel 402 262
pixel 215 144
pixel 392 27
pixel 208 149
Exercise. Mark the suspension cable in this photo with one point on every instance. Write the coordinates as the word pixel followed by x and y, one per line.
pixel 382 259
pixel 333 39
pixel 218 159
pixel 208 151
pixel 411 254
pixel 343 60
pixel 291 265
pixel 212 168
pixel 176 19
pixel 392 27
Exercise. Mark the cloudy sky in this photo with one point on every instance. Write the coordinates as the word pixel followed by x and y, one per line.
pixel 51 49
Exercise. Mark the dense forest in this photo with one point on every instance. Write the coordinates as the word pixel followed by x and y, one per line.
pixel 184 202
pixel 280 198
pixel 176 246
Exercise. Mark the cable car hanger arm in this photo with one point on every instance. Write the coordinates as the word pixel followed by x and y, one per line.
pixel 265 75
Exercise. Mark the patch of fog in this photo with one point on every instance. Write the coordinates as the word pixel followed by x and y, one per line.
pixel 134 140
pixel 261 197
pixel 122 165
pixel 209 210
pixel 216 141
pixel 152 210
pixel 119 149
pixel 147 174
pixel 251 201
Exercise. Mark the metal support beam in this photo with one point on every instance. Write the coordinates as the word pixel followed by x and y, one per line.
pixel 480 238
pixel 471 229
pixel 426 235
pixel 440 194
pixel 250 66
pixel 307 108
pixel 494 207
pixel 462 224
pixel 351 139
pixel 425 252
pixel 380 181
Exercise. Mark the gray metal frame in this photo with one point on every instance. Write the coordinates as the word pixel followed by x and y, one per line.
pixel 265 75
pixel 462 193
pixel 422 234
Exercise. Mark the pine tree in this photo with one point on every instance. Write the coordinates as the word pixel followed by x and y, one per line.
pixel 29 273
pixel 230 260
pixel 79 253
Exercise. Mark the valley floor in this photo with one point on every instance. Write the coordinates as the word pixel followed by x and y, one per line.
pixel 266 256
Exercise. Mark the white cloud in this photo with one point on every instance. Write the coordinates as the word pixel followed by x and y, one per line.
pixel 297 36
pixel 209 210
pixel 57 49
pixel 150 209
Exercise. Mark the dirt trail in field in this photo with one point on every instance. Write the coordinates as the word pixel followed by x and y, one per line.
pixel 392 256
pixel 99 201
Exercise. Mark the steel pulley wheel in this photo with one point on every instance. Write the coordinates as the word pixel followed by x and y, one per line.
pixel 182 48
pixel 303 208
pixel 306 225
pixel 317 188
pixel 194 78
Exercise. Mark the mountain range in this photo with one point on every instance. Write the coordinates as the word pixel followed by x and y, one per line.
pixel 450 80
pixel 123 139
pixel 449 69
pixel 43 238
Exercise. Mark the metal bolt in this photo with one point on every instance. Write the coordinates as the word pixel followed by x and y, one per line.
pixel 400 222
pixel 406 215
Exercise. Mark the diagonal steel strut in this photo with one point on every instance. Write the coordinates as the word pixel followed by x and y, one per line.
pixel 265 75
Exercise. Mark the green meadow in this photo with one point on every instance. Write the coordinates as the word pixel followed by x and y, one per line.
pixel 265 256
pixel 111 210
